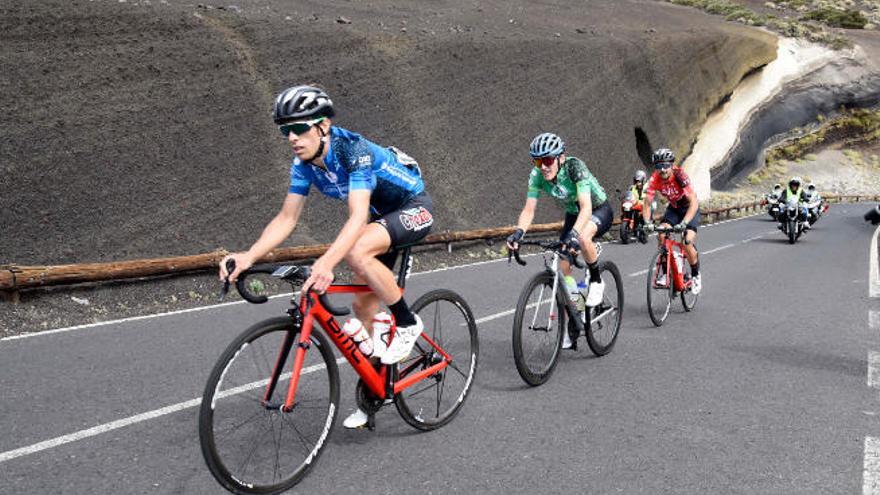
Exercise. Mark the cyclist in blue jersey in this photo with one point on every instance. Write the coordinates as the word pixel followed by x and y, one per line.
pixel 387 203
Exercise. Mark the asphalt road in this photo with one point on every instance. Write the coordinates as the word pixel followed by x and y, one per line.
pixel 765 388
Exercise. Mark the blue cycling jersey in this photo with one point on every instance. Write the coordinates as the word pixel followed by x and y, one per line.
pixel 354 163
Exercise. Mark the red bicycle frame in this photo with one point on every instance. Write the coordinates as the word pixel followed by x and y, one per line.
pixel 672 270
pixel 377 381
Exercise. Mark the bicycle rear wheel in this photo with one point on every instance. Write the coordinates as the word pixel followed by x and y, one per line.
pixel 538 324
pixel 250 444
pixel 605 318
pixel 659 295
pixel 688 298
pixel 436 399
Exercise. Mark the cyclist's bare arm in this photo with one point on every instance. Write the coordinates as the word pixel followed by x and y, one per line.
pixel 586 212
pixel 527 214
pixel 525 218
pixel 646 208
pixel 274 234
pixel 358 215
pixel 692 207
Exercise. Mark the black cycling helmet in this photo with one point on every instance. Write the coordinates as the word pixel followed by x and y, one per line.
pixel 663 155
pixel 302 103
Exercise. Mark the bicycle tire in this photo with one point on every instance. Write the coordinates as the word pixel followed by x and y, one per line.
pixel 601 337
pixel 688 298
pixel 233 386
pixel 624 231
pixel 658 317
pixel 462 345
pixel 540 372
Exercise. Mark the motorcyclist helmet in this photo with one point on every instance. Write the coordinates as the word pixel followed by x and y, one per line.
pixel 639 177
pixel 794 183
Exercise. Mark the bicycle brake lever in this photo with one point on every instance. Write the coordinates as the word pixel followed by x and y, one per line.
pixel 230 267
pixel 225 289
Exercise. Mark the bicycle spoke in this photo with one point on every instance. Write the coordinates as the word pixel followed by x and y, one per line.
pixel 249 420
pixel 427 387
pixel 305 441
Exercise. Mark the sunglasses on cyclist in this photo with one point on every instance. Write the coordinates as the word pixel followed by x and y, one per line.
pixel 662 165
pixel 546 161
pixel 298 128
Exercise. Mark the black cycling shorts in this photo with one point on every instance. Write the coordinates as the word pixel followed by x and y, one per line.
pixel 602 217
pixel 408 224
pixel 674 216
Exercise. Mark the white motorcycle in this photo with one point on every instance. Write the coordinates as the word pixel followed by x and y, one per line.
pixel 790 220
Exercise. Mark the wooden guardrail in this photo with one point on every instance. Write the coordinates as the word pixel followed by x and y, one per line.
pixel 15 277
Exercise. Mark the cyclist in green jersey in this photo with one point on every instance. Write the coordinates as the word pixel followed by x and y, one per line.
pixel 587 212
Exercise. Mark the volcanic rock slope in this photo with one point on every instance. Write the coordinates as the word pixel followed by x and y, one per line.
pixel 138 129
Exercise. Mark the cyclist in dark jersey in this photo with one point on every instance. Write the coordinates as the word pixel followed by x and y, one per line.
pixel 683 210
pixel 587 212
pixel 387 203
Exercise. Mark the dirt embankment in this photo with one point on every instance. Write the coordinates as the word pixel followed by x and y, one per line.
pixel 140 129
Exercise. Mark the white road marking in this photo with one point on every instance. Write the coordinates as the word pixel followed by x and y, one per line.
pixel 873 270
pixel 871 475
pixel 721 248
pixel 874 369
pixel 212 306
pixel 139 418
pixel 133 318
pixel 180 406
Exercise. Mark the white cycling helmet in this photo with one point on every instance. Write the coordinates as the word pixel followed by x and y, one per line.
pixel 546 144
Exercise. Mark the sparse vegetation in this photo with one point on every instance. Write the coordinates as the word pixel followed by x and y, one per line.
pixel 852 127
pixel 849 19
pixel 808 18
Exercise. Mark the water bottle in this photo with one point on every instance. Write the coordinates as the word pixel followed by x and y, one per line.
pixel 679 262
pixel 583 288
pixel 355 329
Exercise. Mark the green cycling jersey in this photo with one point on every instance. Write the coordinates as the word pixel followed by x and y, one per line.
pixel 573 178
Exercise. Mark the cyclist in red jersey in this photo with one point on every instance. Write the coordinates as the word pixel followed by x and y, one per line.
pixel 683 210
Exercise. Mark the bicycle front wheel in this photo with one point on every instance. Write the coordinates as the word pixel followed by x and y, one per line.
pixel 660 289
pixel 449 323
pixel 538 324
pixel 605 318
pixel 249 443
pixel 688 298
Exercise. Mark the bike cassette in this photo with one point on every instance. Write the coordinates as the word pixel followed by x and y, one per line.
pixel 366 401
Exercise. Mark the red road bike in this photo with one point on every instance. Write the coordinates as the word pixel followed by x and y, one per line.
pixel 271 401
pixel 669 275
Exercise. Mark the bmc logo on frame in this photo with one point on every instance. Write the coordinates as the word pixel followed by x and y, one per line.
pixel 416 219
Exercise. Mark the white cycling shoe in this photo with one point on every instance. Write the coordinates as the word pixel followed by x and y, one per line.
pixel 594 296
pixel 403 342
pixel 696 285
pixel 381 333
pixel 357 419
pixel 661 280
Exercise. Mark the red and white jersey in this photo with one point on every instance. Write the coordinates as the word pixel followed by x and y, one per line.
pixel 675 189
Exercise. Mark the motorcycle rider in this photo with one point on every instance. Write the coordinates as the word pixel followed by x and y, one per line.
pixel 772 199
pixel 814 203
pixel 795 190
pixel 638 188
